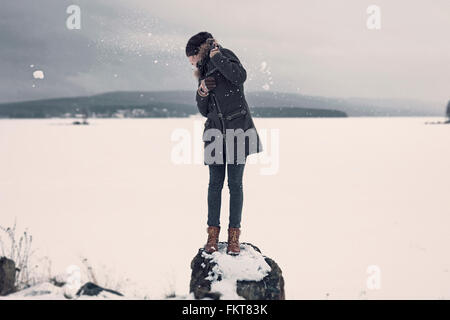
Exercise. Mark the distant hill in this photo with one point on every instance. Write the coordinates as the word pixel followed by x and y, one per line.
pixel 178 103
pixel 353 107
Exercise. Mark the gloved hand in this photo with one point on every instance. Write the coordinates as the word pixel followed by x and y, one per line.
pixel 210 83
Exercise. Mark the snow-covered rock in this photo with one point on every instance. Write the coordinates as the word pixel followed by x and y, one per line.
pixel 249 275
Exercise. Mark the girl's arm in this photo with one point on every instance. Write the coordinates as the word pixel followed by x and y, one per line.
pixel 202 101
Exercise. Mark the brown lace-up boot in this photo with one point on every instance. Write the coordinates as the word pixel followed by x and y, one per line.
pixel 213 239
pixel 233 241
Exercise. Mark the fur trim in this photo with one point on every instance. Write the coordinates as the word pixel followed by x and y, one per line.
pixel 202 52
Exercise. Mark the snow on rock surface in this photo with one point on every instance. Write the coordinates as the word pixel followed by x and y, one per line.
pixel 249 275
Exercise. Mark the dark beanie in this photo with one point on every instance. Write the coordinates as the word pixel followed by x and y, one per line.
pixel 195 42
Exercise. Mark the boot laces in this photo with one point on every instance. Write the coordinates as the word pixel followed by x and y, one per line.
pixel 212 237
pixel 234 235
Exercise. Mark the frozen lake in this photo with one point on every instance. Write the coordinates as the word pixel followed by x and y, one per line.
pixel 343 196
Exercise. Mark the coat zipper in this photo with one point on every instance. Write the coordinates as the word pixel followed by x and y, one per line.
pixel 220 114
pixel 229 117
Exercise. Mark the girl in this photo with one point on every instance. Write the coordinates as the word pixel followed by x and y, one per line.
pixel 220 98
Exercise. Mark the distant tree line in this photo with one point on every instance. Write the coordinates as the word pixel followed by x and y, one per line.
pixel 62 109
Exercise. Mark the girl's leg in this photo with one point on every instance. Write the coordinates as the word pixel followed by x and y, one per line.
pixel 235 174
pixel 216 179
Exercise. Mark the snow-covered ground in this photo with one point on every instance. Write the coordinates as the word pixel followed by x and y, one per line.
pixel 48 291
pixel 352 208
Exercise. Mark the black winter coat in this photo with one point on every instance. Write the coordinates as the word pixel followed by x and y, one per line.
pixel 225 106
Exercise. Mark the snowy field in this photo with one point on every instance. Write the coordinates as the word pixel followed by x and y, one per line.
pixel 343 197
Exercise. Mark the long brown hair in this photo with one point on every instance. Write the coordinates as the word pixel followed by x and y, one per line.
pixel 202 52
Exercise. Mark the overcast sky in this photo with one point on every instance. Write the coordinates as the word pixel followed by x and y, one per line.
pixel 311 47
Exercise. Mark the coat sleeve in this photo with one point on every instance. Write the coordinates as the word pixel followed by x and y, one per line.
pixel 230 66
pixel 202 103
